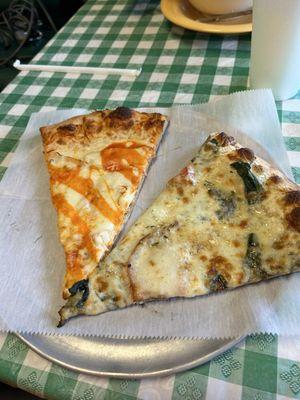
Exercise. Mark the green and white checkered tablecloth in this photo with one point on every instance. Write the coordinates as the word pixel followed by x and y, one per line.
pixel 179 66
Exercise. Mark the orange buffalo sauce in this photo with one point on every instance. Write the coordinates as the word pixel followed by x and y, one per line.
pixel 124 158
pixel 85 187
pixel 74 259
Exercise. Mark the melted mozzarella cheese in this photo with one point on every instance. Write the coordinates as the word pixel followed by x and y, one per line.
pixel 195 238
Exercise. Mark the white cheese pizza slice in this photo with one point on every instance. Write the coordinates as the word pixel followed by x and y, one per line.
pixel 97 163
pixel 226 220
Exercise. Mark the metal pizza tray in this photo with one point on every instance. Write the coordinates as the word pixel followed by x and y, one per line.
pixel 126 358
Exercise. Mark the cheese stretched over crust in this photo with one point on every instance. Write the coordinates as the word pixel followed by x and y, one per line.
pixel 226 220
pixel 97 163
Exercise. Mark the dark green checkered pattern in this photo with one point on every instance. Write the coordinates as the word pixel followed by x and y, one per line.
pixel 254 370
pixel 178 66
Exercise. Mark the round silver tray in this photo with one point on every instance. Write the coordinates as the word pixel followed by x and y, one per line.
pixel 126 358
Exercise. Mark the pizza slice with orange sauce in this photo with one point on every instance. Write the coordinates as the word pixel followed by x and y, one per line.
pixel 97 163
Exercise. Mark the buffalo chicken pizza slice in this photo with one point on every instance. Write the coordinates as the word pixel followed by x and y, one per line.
pixel 97 163
pixel 226 220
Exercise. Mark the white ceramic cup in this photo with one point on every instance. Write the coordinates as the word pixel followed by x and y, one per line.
pixel 221 6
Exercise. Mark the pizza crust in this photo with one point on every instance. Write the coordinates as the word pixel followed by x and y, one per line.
pixel 83 134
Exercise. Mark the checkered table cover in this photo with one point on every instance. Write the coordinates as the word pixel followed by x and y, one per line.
pixel 179 66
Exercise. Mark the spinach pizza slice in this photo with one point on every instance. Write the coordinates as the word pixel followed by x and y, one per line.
pixel 227 219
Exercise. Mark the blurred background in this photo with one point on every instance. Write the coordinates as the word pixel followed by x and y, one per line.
pixel 15 16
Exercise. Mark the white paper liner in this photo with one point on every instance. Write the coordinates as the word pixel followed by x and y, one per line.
pixel 33 263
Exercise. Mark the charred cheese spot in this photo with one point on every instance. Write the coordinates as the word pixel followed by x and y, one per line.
pixel 121 113
pixel 153 123
pixel 292 197
pixel 243 223
pixel 275 179
pixel 67 128
pixel 224 139
pixel 61 142
pixel 121 118
pixel 117 298
pixel 245 154
pixel 102 285
pixel 220 265
pixel 180 191
pixel 293 219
